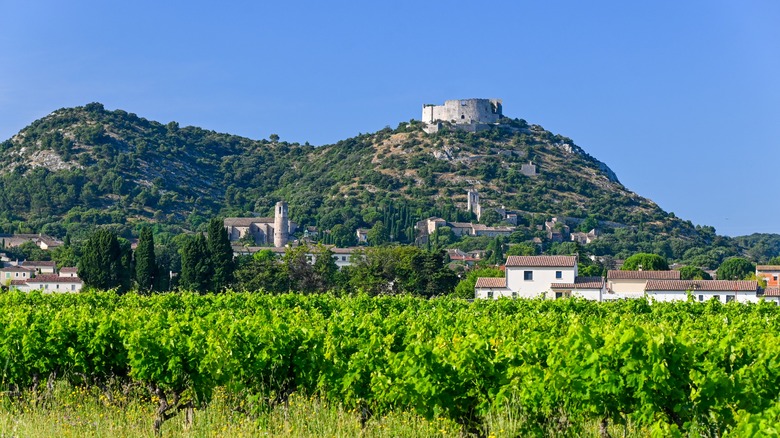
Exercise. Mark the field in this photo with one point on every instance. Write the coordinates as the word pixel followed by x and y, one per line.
pixel 98 364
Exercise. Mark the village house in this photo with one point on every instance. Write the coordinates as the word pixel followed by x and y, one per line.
pixel 42 241
pixel 631 284
pixel 590 288
pixel 342 256
pixel 362 236
pixel 14 273
pixel 66 280
pixel 770 273
pixel 531 277
pixel 724 291
pixel 40 267
pixel 772 294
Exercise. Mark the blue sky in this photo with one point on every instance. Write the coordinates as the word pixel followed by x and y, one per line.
pixel 680 99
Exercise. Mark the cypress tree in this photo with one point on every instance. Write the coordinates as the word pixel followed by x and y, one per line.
pixel 145 263
pixel 221 255
pixel 101 265
pixel 196 268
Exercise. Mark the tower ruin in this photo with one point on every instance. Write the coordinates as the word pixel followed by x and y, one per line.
pixel 281 225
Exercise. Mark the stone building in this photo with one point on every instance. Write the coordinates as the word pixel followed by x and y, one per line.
pixel 262 230
pixel 466 114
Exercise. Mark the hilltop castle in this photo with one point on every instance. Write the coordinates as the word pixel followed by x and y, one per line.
pixel 465 114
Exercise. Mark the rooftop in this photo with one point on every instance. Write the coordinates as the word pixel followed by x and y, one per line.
pixel 541 261
pixel 581 283
pixel 643 275
pixel 490 282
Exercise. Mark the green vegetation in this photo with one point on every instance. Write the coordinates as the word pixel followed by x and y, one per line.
pixel 507 367
pixel 87 167
pixel 736 268
pixel 647 262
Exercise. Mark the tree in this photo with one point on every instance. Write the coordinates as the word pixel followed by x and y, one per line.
pixel 646 262
pixel 774 261
pixel 145 263
pixel 694 273
pixel 490 217
pixel 377 235
pixel 522 249
pixel 101 265
pixel 465 288
pixel 428 275
pixel 342 236
pixel 300 273
pixel 325 267
pixel 735 268
pixel 196 268
pixel 221 255
pixel 261 271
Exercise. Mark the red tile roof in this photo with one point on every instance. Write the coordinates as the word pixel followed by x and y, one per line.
pixel 581 283
pixel 541 261
pixel 16 269
pixel 38 263
pixel 772 292
pixel 53 279
pixel 18 282
pixel 768 268
pixel 68 269
pixel 491 282
pixel 708 285
pixel 643 275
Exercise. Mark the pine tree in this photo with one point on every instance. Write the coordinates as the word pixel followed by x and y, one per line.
pixel 145 263
pixel 221 255
pixel 196 268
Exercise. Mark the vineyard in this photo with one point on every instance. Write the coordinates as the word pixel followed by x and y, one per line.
pixel 666 369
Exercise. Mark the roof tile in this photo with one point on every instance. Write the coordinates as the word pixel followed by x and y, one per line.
pixel 491 282
pixel 643 275
pixel 541 261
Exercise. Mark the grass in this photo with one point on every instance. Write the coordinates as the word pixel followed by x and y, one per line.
pixel 70 411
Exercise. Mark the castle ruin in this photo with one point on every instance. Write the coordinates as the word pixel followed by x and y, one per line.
pixel 465 114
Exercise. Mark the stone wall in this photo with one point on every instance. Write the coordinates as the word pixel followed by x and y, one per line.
pixel 464 111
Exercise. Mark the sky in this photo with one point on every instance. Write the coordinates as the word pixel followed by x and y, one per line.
pixel 680 99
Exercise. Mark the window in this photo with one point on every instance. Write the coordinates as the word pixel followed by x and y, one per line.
pixel 774 277
pixel 558 274
pixel 514 295
pixel 729 298
pixel 558 295
pixel 490 294
pixel 528 275
pixel 701 297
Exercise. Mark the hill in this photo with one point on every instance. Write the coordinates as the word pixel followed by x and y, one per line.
pixel 84 166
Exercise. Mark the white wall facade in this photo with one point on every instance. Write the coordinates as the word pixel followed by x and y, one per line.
pixel 494 293
pixel 542 278
pixel 704 295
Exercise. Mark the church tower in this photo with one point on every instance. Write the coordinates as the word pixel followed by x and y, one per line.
pixel 281 225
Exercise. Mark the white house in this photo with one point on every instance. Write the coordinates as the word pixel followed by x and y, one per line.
pixel 14 273
pixel 631 284
pixel 492 288
pixel 40 267
pixel 49 283
pixel 703 290
pixel 530 277
pixel 590 288
pixel 772 294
